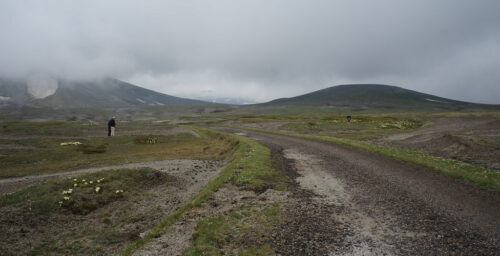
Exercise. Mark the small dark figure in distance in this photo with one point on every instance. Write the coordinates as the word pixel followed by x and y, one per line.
pixel 111 127
pixel 349 119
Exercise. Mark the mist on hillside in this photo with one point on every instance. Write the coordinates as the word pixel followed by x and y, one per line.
pixel 257 50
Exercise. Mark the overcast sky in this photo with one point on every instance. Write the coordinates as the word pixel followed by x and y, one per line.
pixel 259 50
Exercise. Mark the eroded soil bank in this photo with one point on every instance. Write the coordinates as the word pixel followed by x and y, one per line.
pixel 475 140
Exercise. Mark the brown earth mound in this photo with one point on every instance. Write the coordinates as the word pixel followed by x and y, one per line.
pixel 475 140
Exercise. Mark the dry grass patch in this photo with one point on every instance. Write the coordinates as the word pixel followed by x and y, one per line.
pixel 49 155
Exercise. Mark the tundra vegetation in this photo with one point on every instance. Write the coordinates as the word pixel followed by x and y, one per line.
pixel 38 148
pixel 119 211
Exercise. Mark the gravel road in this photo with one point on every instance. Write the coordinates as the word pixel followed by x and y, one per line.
pixel 346 201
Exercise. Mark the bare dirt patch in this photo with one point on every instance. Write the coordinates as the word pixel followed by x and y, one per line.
pixel 475 140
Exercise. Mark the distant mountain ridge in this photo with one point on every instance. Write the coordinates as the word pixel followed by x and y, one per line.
pixel 375 96
pixel 102 93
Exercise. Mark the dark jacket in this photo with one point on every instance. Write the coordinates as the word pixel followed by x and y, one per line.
pixel 111 123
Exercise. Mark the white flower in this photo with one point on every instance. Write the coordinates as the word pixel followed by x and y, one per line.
pixel 75 180
pixel 66 198
pixel 75 185
pixel 91 182
pixel 69 191
pixel 97 189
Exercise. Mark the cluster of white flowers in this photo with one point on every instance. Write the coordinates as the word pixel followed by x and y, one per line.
pixel 119 191
pixel 75 143
pixel 67 192
pixel 82 182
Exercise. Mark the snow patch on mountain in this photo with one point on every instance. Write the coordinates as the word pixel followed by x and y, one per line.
pixel 41 86
pixel 436 100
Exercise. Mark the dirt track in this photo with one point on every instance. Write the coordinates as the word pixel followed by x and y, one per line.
pixel 346 201
pixel 12 184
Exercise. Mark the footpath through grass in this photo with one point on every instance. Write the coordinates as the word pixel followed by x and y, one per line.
pixel 250 169
pixel 482 177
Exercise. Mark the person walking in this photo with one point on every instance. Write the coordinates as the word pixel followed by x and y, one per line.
pixel 111 127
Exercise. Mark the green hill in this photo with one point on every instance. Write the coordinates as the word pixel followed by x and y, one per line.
pixel 366 96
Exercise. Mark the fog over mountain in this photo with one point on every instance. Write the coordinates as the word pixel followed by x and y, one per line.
pixel 258 50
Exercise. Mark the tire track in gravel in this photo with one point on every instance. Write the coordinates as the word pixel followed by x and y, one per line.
pixel 347 201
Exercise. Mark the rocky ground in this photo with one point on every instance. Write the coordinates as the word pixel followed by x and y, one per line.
pixel 345 201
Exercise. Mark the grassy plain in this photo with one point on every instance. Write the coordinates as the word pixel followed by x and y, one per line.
pixel 360 127
pixel 39 148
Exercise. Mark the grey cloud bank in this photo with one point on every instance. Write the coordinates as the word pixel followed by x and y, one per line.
pixel 259 49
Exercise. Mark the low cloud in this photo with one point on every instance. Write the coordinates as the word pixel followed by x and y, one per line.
pixel 259 49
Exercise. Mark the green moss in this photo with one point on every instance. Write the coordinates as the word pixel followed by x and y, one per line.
pixel 91 149
pixel 246 227
pixel 254 171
